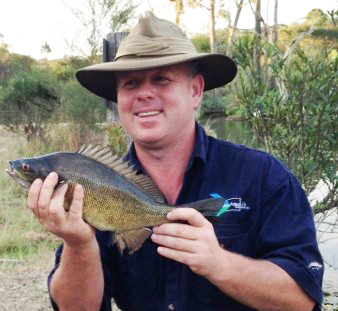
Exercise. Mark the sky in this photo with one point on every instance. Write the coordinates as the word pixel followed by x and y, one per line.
pixel 27 24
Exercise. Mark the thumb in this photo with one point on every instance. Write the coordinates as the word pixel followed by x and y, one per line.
pixel 76 207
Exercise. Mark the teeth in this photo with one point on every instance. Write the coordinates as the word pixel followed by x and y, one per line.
pixel 148 113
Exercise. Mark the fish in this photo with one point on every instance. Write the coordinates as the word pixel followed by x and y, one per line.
pixel 116 197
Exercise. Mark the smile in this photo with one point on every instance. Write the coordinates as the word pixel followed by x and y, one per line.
pixel 148 113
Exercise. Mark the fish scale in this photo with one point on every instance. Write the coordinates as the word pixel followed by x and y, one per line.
pixel 115 197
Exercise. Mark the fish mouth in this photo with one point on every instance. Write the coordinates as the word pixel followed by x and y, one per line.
pixel 17 176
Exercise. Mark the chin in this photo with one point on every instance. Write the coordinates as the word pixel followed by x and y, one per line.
pixel 149 141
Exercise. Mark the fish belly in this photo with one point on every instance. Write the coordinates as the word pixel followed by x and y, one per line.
pixel 117 210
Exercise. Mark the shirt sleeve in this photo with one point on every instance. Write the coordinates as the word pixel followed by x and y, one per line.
pixel 58 253
pixel 287 235
pixel 110 272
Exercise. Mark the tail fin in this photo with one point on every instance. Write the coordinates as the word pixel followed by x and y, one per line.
pixel 213 207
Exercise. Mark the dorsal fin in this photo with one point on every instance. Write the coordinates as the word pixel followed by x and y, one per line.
pixel 106 157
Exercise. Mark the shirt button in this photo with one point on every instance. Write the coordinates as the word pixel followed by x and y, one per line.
pixel 171 307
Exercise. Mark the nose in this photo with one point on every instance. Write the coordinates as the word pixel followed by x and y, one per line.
pixel 146 91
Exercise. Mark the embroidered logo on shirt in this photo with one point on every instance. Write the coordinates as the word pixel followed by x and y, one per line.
pixel 315 265
pixel 231 205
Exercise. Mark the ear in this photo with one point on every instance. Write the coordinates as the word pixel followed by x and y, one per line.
pixel 197 90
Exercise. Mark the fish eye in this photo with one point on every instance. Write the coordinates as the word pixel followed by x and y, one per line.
pixel 25 166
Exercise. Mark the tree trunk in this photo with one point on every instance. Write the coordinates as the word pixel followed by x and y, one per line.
pixel 258 33
pixel 110 47
pixel 213 45
pixel 233 29
pixel 178 10
pixel 275 28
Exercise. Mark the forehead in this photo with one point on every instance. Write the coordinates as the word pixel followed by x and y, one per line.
pixel 172 69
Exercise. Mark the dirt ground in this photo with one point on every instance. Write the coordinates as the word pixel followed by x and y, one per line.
pixel 24 291
pixel 23 285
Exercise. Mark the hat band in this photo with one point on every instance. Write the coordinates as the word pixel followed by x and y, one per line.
pixel 160 46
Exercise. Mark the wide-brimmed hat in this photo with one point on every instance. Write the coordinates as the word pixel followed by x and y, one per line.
pixel 152 43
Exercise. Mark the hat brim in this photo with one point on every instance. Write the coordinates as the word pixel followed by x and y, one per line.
pixel 217 70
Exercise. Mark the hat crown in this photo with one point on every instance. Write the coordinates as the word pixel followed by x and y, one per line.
pixel 151 26
pixel 154 43
pixel 153 36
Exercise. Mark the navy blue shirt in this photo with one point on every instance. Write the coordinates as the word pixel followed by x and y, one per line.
pixel 269 217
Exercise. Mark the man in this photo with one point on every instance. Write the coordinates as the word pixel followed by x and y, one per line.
pixel 261 254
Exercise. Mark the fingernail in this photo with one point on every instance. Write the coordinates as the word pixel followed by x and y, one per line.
pixel 37 182
pixel 155 229
pixel 169 215
pixel 53 175
pixel 78 188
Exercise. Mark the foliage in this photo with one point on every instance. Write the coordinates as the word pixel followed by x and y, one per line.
pixel 201 43
pixel 11 64
pixel 66 67
pixel 28 100
pixel 81 111
pixel 45 49
pixel 97 18
pixel 117 139
pixel 293 111
pixel 21 235
pixel 212 104
pixel 79 105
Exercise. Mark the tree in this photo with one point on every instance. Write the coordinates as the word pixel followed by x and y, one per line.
pixel 300 128
pixel 233 29
pixel 28 100
pixel 45 49
pixel 258 33
pixel 275 24
pixel 65 68
pixel 99 17
pixel 178 10
pixel 11 63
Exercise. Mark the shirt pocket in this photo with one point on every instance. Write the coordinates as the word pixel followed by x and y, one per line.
pixel 235 238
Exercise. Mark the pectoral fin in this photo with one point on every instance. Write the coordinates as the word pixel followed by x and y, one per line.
pixel 133 239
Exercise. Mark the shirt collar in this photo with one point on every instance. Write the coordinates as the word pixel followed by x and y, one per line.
pixel 199 153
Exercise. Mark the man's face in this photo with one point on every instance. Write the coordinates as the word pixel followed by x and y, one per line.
pixel 157 105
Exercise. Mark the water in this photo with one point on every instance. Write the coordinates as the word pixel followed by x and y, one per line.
pixel 235 131
pixel 239 132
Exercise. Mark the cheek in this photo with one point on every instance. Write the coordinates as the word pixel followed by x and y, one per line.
pixel 122 105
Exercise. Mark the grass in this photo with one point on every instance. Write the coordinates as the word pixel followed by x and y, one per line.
pixel 22 238
pixel 21 235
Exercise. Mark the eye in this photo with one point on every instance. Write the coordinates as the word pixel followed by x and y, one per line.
pixel 161 79
pixel 25 166
pixel 130 84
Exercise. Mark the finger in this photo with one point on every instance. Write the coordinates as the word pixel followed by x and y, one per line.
pixel 178 230
pixel 175 243
pixel 76 207
pixel 179 256
pixel 46 194
pixel 57 213
pixel 190 215
pixel 33 196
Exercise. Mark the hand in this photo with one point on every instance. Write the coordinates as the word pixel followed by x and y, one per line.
pixel 194 244
pixel 47 206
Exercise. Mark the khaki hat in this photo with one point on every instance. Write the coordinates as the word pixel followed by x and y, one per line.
pixel 152 43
